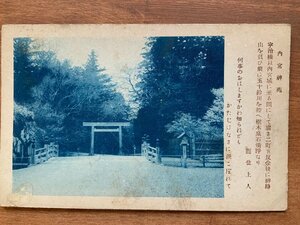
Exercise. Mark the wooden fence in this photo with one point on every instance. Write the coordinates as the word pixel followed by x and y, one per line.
pixel 43 154
pixel 213 159
pixel 187 154
pixel 194 149
pixel 35 156
pixel 151 153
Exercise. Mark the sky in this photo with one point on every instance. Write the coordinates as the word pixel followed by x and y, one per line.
pixel 114 54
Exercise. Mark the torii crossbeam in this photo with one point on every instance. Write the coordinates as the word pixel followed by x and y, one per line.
pixel 106 127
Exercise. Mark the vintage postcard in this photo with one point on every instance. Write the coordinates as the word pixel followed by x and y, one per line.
pixel 160 117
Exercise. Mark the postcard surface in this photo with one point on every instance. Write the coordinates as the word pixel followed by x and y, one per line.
pixel 160 117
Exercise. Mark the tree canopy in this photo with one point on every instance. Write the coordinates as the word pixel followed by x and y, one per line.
pixel 60 96
pixel 177 77
pixel 178 87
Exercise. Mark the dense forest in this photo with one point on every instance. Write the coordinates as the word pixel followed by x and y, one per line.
pixel 52 98
pixel 179 89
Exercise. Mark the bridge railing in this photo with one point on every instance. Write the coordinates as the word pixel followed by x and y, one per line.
pixel 151 153
pixel 43 154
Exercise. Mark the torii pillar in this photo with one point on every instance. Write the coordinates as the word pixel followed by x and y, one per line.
pixel 106 127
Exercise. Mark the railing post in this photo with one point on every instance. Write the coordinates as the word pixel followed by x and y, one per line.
pixel 32 152
pixel 57 150
pixel 47 152
pixel 203 160
pixel 147 150
pixel 184 155
pixel 184 145
pixel 193 146
pixel 143 147
pixel 158 156
pixel 35 156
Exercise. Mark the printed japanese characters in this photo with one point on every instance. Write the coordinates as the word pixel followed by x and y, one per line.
pixel 166 117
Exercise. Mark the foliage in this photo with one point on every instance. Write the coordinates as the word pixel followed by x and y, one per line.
pixel 23 120
pixel 210 127
pixel 23 67
pixel 178 87
pixel 54 97
pixel 215 114
pixel 25 128
pixel 176 76
pixel 184 123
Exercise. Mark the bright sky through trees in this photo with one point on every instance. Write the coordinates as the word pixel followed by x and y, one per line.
pixel 114 54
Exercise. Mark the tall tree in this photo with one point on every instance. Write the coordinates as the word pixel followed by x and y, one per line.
pixel 209 127
pixel 54 98
pixel 97 88
pixel 24 77
pixel 177 75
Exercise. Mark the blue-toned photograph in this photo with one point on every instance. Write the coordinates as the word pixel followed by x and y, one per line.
pixel 119 117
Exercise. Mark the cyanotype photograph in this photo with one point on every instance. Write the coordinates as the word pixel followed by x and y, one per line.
pixel 145 117
pixel 119 117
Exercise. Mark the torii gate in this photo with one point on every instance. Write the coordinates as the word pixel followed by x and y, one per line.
pixel 106 127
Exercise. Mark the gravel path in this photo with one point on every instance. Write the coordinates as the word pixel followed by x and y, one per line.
pixel 104 175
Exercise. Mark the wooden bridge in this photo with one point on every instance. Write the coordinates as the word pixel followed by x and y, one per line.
pixel 153 154
pixel 37 156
